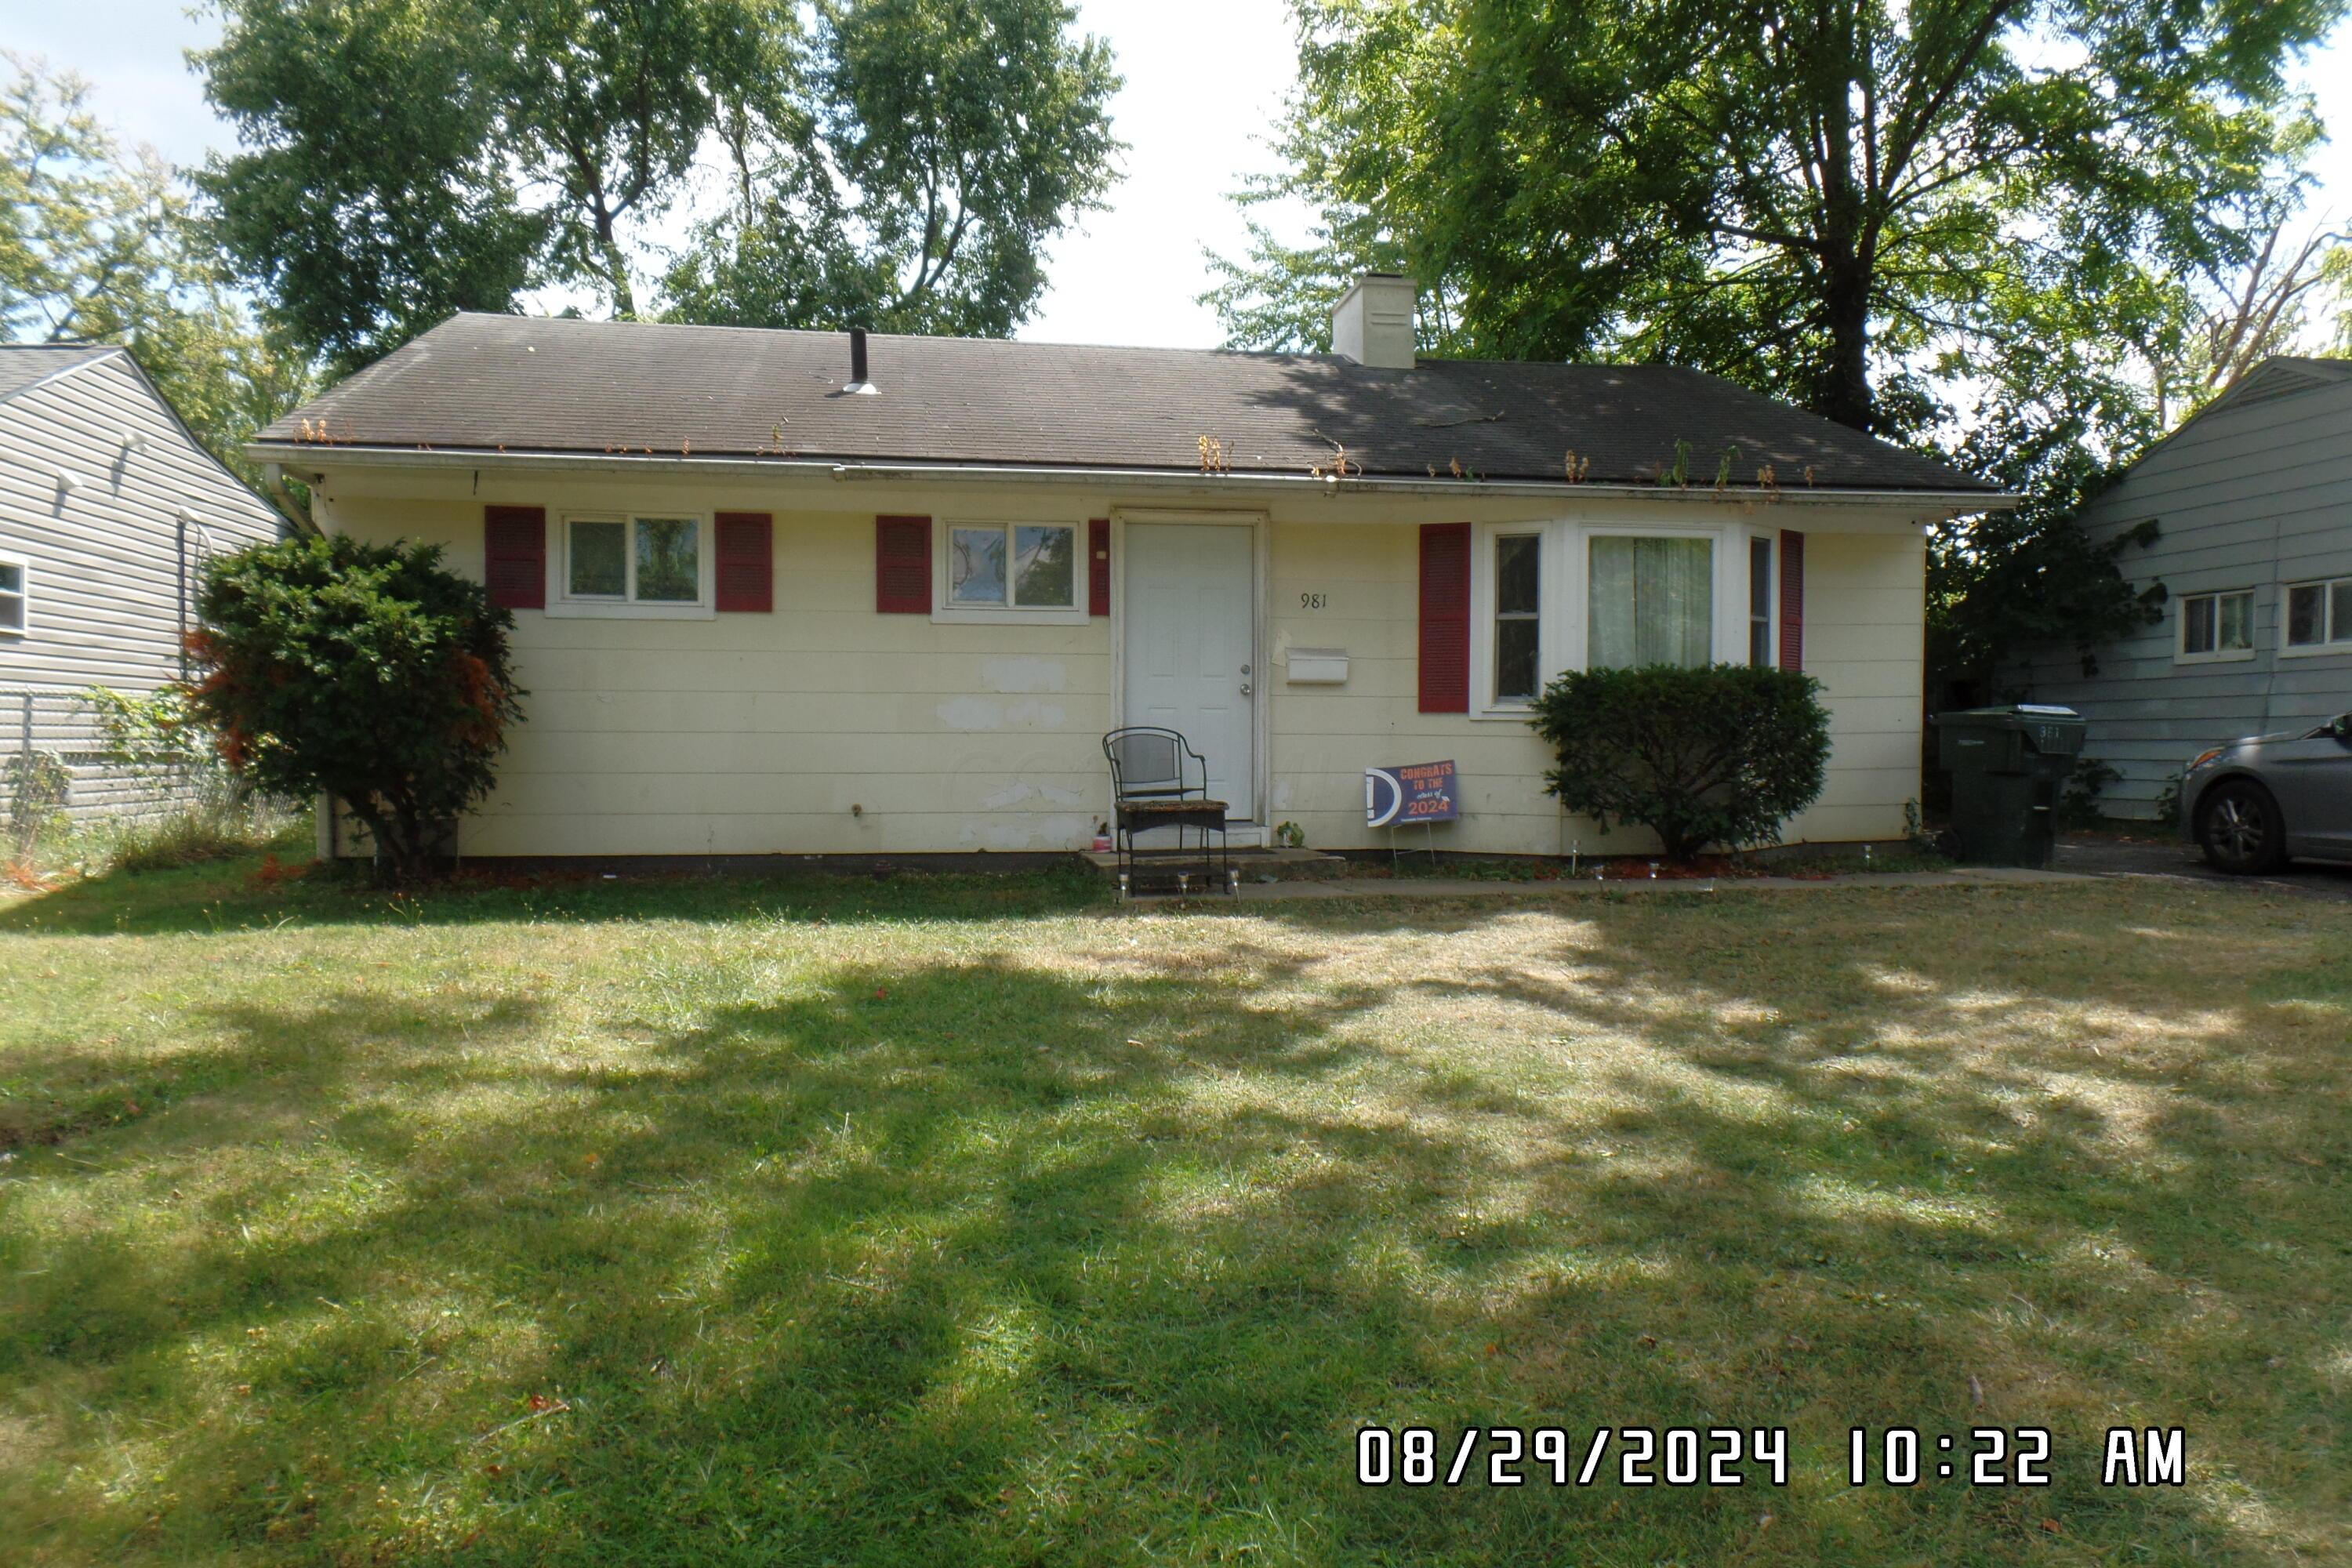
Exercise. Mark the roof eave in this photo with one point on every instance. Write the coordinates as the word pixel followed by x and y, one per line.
pixel 310 456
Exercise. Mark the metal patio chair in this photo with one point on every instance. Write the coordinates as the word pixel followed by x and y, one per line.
pixel 1160 783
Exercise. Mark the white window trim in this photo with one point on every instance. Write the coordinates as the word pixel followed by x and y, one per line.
pixel 24 596
pixel 2180 654
pixel 1567 550
pixel 2339 648
pixel 562 605
pixel 943 613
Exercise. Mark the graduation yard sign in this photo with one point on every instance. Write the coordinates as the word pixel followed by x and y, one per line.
pixel 1416 793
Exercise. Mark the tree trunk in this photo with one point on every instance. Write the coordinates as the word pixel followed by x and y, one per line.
pixel 616 268
pixel 1845 394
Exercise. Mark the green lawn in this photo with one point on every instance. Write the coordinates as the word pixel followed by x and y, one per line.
pixel 981 1222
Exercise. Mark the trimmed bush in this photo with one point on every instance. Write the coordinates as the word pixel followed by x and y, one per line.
pixel 1722 755
pixel 367 672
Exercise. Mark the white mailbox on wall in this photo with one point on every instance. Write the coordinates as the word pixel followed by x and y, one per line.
pixel 1318 667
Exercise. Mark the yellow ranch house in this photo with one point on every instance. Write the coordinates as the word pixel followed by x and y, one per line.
pixel 809 593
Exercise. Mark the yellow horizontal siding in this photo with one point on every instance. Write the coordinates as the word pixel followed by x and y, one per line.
pixel 825 727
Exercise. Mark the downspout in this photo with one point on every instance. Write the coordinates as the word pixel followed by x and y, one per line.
pixel 273 477
pixel 180 577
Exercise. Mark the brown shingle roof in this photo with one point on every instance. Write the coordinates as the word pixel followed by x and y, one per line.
pixel 535 384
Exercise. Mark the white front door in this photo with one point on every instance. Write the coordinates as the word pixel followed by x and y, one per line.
pixel 1192 645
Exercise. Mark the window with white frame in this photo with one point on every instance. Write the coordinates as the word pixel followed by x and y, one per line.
pixel 1559 595
pixel 2218 625
pixel 1012 566
pixel 15 597
pixel 645 560
pixel 1759 603
pixel 2319 615
pixel 1650 600
pixel 1518 638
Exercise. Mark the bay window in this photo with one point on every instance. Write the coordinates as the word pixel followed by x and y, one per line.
pixel 1759 603
pixel 1518 618
pixel 1652 601
pixel 1551 596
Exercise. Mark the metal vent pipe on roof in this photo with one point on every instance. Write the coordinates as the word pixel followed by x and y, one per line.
pixel 858 380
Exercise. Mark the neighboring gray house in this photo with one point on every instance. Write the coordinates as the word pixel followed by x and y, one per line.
pixel 2253 497
pixel 107 507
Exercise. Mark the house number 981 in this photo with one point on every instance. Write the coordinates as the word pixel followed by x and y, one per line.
pixel 1313 601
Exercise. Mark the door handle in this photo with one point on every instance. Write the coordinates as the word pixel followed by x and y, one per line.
pixel 1245 689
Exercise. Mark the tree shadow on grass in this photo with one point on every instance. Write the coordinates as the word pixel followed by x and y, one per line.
pixel 241 896
pixel 992 1261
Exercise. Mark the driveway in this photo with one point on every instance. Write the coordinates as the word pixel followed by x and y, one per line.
pixel 2104 854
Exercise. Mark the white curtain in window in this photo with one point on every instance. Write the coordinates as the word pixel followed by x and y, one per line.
pixel 1652 602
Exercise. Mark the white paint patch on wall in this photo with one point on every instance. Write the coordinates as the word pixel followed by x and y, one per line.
pixel 971 713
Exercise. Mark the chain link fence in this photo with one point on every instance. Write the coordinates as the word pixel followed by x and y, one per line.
pixel 57 767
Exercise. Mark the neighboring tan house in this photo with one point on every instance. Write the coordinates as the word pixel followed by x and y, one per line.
pixel 107 507
pixel 770 600
pixel 2252 500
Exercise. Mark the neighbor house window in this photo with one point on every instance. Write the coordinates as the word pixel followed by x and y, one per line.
pixel 1012 566
pixel 2319 613
pixel 1652 600
pixel 1518 617
pixel 2218 625
pixel 14 598
pixel 1759 602
pixel 632 560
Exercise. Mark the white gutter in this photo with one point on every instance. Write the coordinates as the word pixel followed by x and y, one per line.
pixel 310 456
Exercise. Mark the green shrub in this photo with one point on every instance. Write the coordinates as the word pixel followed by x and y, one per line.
pixel 367 672
pixel 1722 755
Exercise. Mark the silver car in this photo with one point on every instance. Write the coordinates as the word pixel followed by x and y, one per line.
pixel 2253 805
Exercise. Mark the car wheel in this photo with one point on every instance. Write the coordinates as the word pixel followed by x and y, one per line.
pixel 2242 830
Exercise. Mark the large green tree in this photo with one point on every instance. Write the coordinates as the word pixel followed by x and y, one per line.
pixel 951 140
pixel 97 246
pixel 2025 233
pixel 1850 203
pixel 868 159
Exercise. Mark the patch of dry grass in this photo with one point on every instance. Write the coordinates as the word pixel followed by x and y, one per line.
pixel 977 1222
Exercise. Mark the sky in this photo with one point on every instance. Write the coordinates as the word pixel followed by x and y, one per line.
pixel 1205 81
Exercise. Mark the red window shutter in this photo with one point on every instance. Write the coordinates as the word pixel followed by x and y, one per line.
pixel 902 566
pixel 1445 617
pixel 1098 566
pixel 514 554
pixel 746 562
pixel 1792 600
